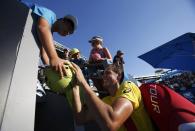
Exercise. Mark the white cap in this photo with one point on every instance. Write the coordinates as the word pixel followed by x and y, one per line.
pixel 98 38
pixel 73 19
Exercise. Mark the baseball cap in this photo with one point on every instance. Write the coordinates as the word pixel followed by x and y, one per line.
pixel 98 38
pixel 74 51
pixel 73 19
pixel 120 52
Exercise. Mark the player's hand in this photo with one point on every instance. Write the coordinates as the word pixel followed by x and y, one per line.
pixel 80 79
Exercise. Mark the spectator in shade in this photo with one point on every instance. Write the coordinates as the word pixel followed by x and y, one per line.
pixel 66 54
pixel 118 58
pixel 75 57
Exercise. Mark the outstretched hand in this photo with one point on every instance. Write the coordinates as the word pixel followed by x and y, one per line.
pixel 58 65
pixel 80 79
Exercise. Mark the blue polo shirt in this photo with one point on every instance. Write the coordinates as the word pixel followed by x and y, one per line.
pixel 40 11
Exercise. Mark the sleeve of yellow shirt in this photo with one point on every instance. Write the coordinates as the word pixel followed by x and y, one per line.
pixel 130 91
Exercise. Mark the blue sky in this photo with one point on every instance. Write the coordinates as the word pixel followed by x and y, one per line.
pixel 133 26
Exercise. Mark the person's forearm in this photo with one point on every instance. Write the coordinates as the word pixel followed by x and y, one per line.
pixel 77 106
pixel 80 110
pixel 108 55
pixel 50 49
pixel 44 56
pixel 102 111
pixel 76 100
pixel 47 42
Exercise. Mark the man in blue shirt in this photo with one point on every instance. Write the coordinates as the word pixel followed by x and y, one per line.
pixel 45 24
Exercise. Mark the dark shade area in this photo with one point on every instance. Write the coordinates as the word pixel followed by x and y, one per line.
pixel 53 114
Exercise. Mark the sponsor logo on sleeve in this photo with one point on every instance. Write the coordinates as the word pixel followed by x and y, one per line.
pixel 127 90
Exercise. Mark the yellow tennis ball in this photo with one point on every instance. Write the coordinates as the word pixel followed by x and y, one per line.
pixel 55 82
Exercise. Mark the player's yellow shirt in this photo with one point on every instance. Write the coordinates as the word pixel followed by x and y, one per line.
pixel 139 116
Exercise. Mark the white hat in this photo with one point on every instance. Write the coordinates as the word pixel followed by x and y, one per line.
pixel 98 38
pixel 73 19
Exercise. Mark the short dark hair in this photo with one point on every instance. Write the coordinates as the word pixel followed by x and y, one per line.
pixel 117 69
pixel 65 49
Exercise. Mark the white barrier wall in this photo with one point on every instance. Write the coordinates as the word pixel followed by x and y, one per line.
pixel 18 65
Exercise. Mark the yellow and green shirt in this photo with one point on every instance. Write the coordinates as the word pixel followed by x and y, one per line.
pixel 139 116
